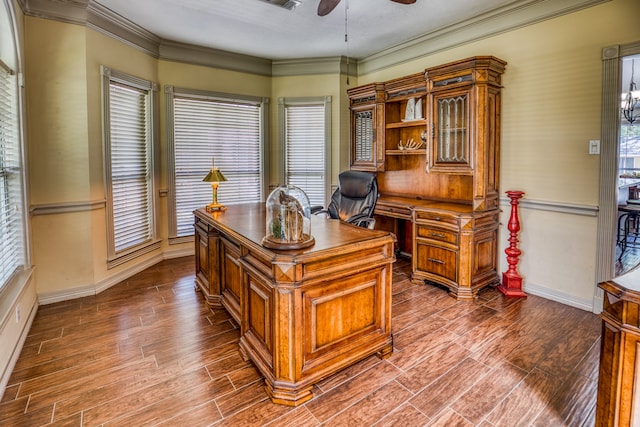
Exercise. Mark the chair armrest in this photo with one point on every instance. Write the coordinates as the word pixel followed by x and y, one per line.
pixel 361 220
pixel 317 209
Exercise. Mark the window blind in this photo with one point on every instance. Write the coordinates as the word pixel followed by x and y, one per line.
pixel 207 131
pixel 11 224
pixel 130 166
pixel 305 150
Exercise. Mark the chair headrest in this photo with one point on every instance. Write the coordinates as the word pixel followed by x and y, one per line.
pixel 356 184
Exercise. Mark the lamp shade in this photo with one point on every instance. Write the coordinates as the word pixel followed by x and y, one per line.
pixel 214 175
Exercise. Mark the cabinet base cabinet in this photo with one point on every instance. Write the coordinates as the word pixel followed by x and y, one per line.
pixel 456 250
pixel 452 245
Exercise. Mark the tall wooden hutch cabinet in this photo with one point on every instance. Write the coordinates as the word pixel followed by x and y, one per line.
pixel 437 139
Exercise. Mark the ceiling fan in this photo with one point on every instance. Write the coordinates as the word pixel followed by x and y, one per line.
pixel 327 6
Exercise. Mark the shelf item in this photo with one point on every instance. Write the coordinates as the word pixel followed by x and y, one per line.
pixel 409 110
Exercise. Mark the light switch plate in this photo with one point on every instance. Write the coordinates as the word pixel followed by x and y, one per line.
pixel 594 146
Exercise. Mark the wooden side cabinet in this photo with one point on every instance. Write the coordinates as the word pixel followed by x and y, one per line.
pixel 618 402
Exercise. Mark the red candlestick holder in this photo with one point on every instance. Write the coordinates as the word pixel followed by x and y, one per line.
pixel 511 281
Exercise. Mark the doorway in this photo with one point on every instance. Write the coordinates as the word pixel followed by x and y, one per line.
pixel 628 226
pixel 609 162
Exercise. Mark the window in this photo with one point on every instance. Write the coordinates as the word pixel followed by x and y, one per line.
pixel 305 132
pixel 206 128
pixel 129 111
pixel 12 218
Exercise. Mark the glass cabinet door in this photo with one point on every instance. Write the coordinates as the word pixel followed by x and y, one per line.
pixel 363 138
pixel 450 150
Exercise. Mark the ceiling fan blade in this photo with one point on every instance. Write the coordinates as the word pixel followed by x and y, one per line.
pixel 404 1
pixel 326 6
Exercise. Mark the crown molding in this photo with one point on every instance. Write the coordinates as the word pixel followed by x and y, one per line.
pixel 515 15
pixel 197 55
pixel 507 18
pixel 99 18
pixel 308 66
pixel 111 24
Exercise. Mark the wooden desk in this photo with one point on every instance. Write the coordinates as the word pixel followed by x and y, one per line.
pixel 303 314
pixel 618 401
pixel 451 244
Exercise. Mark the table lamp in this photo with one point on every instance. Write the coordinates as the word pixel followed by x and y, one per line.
pixel 214 177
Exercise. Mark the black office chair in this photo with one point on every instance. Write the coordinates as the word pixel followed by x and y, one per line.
pixel 354 200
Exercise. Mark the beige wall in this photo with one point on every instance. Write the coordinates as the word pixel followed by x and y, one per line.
pixel 58 164
pixel 551 109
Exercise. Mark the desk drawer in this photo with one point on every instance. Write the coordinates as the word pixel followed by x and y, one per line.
pixel 436 217
pixel 436 260
pixel 403 212
pixel 438 234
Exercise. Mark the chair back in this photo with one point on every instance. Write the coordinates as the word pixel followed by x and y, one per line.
pixel 357 194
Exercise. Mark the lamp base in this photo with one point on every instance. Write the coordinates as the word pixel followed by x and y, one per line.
pixel 215 207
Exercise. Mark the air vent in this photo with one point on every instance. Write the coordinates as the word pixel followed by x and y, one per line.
pixel 287 4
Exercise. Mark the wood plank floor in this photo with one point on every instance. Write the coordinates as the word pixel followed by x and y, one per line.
pixel 149 351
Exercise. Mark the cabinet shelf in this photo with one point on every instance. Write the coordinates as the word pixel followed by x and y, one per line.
pixel 408 123
pixel 418 152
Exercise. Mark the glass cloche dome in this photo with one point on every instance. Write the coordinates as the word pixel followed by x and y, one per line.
pixel 288 223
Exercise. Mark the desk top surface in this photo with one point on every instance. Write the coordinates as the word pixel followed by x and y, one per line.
pixel 248 221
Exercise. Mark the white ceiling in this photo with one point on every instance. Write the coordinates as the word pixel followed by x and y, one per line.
pixel 258 28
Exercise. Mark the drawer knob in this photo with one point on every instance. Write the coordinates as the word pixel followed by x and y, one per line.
pixel 437 235
pixel 438 218
pixel 437 261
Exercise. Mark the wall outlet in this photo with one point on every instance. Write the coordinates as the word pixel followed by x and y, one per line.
pixel 17 313
pixel 594 146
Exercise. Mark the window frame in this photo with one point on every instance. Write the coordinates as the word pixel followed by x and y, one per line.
pixel 10 63
pixel 171 92
pixel 118 257
pixel 283 104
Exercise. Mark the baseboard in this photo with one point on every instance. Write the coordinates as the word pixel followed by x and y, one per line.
pixel 89 290
pixel 561 297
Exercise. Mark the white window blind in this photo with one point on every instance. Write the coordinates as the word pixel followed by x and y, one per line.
pixel 130 172
pixel 12 251
pixel 208 130
pixel 305 148
pixel 129 136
